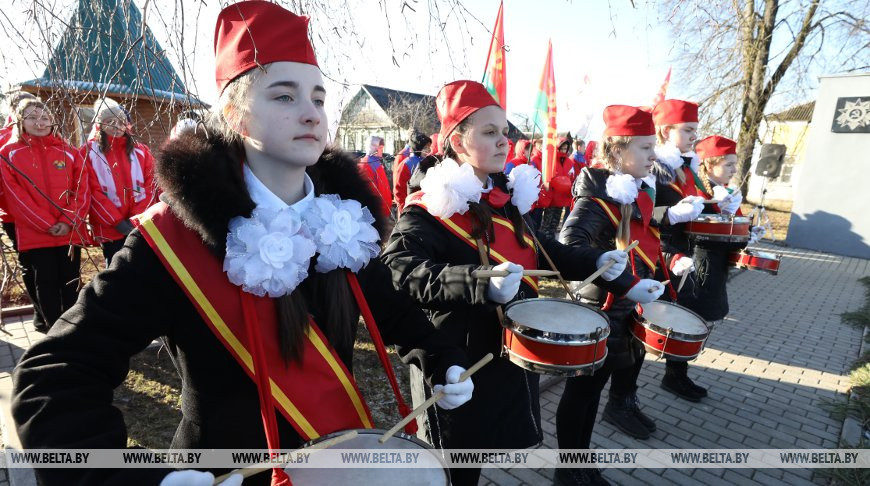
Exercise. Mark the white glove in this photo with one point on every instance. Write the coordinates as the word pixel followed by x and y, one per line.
pixel 456 392
pixel 618 256
pixel 731 203
pixel 757 233
pixel 683 265
pixel 191 477
pixel 503 289
pixel 645 291
pixel 686 210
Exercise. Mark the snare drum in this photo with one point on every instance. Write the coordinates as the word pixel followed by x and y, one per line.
pixel 716 227
pixel 555 336
pixel 671 331
pixel 756 260
pixel 428 469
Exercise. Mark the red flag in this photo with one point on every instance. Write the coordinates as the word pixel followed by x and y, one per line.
pixel 545 109
pixel 495 73
pixel 663 91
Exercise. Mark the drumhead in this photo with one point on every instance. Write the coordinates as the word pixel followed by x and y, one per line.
pixel 680 319
pixel 429 470
pixel 556 316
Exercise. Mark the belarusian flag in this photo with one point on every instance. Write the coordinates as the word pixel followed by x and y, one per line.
pixel 495 73
pixel 663 91
pixel 545 109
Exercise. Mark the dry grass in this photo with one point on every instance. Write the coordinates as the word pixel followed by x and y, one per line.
pixel 779 213
pixel 13 293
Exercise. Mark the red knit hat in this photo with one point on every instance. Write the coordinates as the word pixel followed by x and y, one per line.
pixel 257 32
pixel 622 120
pixel 457 101
pixel 714 146
pixel 671 112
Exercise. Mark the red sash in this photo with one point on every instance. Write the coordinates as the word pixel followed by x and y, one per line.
pixel 693 185
pixel 648 237
pixel 317 397
pixel 504 249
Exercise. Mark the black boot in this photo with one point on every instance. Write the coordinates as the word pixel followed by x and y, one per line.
pixel 680 385
pixel 646 421
pixel 579 477
pixel 620 413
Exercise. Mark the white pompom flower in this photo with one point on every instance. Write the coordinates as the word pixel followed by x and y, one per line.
pixel 269 252
pixel 343 232
pixel 668 154
pixel 448 188
pixel 524 182
pixel 622 188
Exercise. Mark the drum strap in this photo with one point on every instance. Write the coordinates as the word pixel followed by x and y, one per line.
pixel 371 325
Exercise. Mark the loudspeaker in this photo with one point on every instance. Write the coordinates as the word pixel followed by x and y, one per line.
pixel 770 160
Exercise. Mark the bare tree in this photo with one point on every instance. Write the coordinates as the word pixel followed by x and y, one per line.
pixel 738 55
pixel 413 112
pixel 522 121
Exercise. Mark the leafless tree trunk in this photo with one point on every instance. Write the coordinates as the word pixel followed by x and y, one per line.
pixel 736 54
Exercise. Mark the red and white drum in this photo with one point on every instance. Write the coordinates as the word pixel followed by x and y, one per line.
pixel 671 331
pixel 429 468
pixel 555 336
pixel 756 260
pixel 716 227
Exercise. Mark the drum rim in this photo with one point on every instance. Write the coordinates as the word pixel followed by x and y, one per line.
pixel 570 339
pixel 731 238
pixel 682 336
pixel 400 434
pixel 737 220
pixel 554 369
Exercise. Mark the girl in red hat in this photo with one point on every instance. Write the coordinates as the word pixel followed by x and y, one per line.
pixel 467 216
pixel 677 180
pixel 255 268
pixel 121 175
pixel 718 156
pixel 615 205
pixel 46 188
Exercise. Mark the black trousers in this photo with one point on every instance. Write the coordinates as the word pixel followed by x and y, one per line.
pixel 624 380
pixel 578 408
pixel 29 285
pixel 110 248
pixel 55 274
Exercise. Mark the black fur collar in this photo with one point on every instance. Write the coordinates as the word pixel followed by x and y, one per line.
pixel 202 182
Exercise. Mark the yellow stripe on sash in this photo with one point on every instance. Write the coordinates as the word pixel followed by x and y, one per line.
pixel 510 225
pixel 339 372
pixel 190 284
pixel 615 220
pixel 495 255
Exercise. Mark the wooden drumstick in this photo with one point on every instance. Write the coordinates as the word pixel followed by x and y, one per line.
pixel 682 281
pixel 664 284
pixel 249 471
pixel 605 267
pixel 434 398
pixel 505 273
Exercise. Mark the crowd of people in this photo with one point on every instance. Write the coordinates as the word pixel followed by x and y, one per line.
pixel 265 246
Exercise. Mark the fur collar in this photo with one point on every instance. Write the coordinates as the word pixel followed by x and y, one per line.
pixel 202 182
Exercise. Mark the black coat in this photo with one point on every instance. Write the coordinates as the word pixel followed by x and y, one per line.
pixel 434 267
pixel 589 226
pixel 63 384
pixel 705 290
